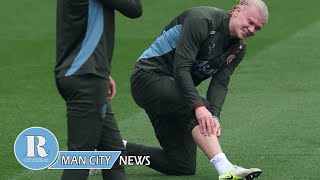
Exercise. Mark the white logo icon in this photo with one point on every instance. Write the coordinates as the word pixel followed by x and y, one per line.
pixel 30 146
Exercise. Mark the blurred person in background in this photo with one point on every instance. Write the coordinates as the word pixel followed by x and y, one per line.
pixel 84 49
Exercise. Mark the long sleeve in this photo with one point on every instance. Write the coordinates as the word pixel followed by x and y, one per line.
pixel 194 32
pixel 218 87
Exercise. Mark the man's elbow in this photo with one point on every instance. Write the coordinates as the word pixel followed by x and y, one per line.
pixel 137 13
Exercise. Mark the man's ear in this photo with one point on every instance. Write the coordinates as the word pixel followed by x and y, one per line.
pixel 235 11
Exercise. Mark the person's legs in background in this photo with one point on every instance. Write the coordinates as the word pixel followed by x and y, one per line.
pixel 87 115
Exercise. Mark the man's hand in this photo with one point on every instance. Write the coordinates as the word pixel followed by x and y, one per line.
pixel 207 123
pixel 218 127
pixel 112 89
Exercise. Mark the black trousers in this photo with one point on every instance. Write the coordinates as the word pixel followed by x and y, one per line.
pixel 171 120
pixel 91 123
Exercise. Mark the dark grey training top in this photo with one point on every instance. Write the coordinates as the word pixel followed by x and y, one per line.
pixel 85 34
pixel 194 46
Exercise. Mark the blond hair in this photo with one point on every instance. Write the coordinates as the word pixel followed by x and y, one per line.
pixel 260 5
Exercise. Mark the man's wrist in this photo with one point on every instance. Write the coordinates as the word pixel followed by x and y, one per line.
pixel 199 105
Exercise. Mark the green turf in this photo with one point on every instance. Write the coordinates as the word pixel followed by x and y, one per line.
pixel 270 118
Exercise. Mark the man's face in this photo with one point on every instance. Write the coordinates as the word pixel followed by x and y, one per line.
pixel 245 21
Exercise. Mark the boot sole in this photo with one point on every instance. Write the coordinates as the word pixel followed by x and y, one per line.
pixel 253 175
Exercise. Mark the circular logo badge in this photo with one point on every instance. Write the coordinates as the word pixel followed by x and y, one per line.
pixel 230 58
pixel 36 148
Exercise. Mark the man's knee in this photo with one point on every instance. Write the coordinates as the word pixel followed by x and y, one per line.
pixel 185 169
pixel 188 171
pixel 182 171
